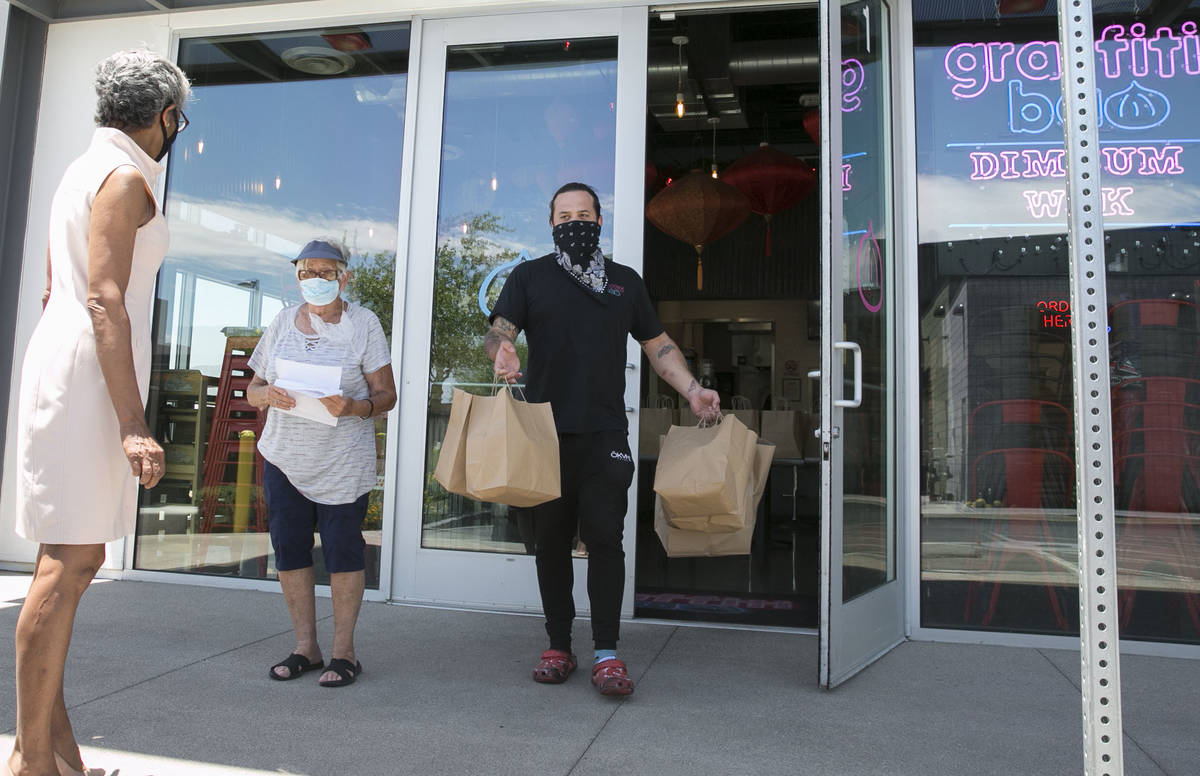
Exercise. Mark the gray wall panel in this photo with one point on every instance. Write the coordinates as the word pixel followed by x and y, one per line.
pixel 24 41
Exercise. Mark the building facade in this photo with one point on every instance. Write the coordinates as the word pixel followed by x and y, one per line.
pixel 894 278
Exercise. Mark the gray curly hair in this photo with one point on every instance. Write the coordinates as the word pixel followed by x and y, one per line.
pixel 133 87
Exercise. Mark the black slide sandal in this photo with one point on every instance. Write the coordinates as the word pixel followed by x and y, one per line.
pixel 297 665
pixel 347 672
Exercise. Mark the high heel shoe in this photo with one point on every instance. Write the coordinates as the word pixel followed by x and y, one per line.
pixel 66 770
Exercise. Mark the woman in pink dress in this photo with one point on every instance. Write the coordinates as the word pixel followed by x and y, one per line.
pixel 82 441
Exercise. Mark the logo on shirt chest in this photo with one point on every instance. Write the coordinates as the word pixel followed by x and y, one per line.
pixel 615 290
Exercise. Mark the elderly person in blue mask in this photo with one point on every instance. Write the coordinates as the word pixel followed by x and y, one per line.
pixel 317 475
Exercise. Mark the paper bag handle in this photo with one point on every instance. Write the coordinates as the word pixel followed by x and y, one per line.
pixel 515 388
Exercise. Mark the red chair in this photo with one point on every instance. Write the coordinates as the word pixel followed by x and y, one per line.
pixel 1156 463
pixel 1030 479
pixel 1158 337
pixel 1020 423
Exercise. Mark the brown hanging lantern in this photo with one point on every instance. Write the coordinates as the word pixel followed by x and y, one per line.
pixel 698 209
pixel 773 182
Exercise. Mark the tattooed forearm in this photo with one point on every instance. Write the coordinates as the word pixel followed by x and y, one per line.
pixel 506 327
pixel 494 337
pixel 671 366
pixel 492 341
pixel 502 331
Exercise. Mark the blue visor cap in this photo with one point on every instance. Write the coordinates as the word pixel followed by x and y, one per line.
pixel 319 249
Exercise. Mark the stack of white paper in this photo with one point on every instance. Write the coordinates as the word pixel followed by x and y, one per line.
pixel 307 383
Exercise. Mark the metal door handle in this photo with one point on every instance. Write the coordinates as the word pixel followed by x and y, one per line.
pixel 857 351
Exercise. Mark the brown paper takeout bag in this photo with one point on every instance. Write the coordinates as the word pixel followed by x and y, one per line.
pixel 782 427
pixel 680 543
pixel 653 423
pixel 451 469
pixel 512 451
pixel 705 472
pixel 748 417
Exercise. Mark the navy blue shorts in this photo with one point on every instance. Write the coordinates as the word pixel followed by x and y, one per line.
pixel 292 517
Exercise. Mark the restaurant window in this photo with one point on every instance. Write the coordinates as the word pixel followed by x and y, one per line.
pixel 293 136
pixel 998 490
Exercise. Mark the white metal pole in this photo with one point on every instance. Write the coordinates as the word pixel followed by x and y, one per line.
pixel 1099 660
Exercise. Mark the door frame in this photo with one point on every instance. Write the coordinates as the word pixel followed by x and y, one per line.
pixel 859 623
pixel 495 581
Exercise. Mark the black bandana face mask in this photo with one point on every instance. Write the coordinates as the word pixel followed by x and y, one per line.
pixel 577 239
pixel 167 141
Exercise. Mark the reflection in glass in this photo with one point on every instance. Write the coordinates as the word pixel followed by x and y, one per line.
pixel 294 135
pixel 868 514
pixel 998 537
pixel 520 119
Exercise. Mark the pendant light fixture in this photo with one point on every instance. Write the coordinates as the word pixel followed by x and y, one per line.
pixel 714 121
pixel 680 41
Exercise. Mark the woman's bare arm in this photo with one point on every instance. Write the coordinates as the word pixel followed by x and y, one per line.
pixel 121 206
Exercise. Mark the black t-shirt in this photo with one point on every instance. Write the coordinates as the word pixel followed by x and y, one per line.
pixel 576 340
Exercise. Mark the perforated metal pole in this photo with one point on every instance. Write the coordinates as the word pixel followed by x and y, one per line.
pixel 1099 660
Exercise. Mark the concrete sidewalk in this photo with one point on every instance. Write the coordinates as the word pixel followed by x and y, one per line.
pixel 172 679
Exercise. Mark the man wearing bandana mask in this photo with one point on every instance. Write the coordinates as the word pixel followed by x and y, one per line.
pixel 577 310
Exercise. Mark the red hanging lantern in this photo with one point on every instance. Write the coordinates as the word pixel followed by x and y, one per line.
pixel 349 42
pixel 698 209
pixel 1010 7
pixel 773 182
pixel 812 124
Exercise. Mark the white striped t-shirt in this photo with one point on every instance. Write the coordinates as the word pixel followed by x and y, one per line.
pixel 327 464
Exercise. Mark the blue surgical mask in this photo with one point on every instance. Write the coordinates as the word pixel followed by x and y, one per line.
pixel 318 291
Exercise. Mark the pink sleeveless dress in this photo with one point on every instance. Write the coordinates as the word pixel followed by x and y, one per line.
pixel 75 483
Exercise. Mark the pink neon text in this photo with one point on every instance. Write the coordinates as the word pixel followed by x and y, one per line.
pixel 1116 160
pixel 975 66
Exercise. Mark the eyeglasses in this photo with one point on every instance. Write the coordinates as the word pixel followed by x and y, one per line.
pixel 181 121
pixel 324 274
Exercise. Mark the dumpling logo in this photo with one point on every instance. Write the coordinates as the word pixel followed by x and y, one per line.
pixel 1137 107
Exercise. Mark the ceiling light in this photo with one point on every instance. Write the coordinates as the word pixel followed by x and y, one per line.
pixel 680 41
pixel 317 60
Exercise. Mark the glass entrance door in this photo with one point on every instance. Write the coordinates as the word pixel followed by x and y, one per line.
pixel 862 603
pixel 509 108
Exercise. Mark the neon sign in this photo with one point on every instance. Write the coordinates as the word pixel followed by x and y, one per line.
pixel 1034 163
pixel 853 78
pixel 1123 51
pixel 976 66
pixel 1048 204
pixel 1056 313
pixel 997 168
